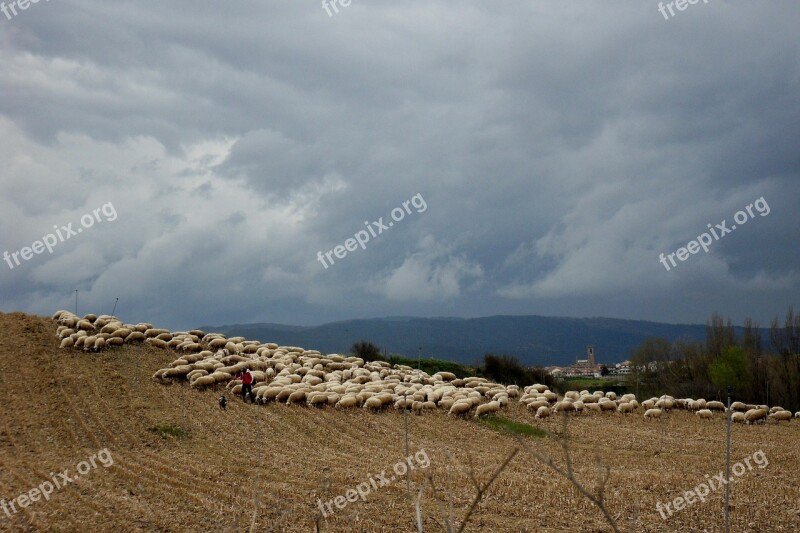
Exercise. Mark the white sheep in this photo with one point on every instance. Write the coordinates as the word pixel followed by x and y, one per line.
pixel 460 408
pixel 487 408
pixel 705 414
pixel 737 417
pixel 739 406
pixel 781 416
pixel 593 407
pixel 543 412
pixel 652 413
pixel 625 408
pixel 756 415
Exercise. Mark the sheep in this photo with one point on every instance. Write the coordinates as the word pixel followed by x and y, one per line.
pixel 648 404
pixel 738 417
pixel 67 343
pixel 607 405
pixel 373 403
pixel 203 381
pixel 781 415
pixel 563 406
pixel 317 399
pixel 157 343
pixel 797 414
pixel 594 407
pixel 699 404
pixel 776 409
pixel 755 415
pixel 534 405
pixel 135 336
pixel 611 395
pixel 739 406
pixel 652 413
pixel 460 408
pixel 705 414
pixel 625 408
pixel 543 412
pixel 715 406
pixel 85 325
pixel 665 404
pixel 347 402
pixel 487 408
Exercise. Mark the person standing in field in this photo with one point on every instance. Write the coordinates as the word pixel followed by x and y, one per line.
pixel 247 384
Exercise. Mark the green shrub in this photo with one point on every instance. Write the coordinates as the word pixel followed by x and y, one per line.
pixel 169 430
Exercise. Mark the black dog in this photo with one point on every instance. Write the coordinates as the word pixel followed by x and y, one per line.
pixel 223 403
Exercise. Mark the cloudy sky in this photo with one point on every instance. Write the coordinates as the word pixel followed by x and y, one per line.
pixel 552 151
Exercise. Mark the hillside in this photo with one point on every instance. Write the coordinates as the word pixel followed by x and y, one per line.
pixel 262 468
pixel 535 340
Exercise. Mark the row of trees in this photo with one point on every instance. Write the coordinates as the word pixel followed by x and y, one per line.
pixel 761 367
pixel 499 368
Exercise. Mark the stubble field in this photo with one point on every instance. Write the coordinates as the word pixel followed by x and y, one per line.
pixel 263 468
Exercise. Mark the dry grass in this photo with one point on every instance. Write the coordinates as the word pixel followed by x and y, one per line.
pixel 265 467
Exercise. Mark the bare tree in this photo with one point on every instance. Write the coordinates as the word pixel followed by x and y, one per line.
pixel 597 496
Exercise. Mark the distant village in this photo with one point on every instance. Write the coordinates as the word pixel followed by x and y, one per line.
pixel 590 368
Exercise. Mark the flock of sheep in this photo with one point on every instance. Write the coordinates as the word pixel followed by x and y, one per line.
pixel 290 374
pixel 545 402
pixel 294 375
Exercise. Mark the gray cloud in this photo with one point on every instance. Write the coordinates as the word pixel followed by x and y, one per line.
pixel 560 149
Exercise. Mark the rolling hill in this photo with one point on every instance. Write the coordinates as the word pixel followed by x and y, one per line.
pixel 535 340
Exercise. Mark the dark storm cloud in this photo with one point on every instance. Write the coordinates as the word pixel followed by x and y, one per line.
pixel 560 150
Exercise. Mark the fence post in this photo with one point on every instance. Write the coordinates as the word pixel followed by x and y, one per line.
pixel 405 420
pixel 728 465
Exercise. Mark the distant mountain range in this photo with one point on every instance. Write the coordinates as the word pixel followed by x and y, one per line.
pixel 535 340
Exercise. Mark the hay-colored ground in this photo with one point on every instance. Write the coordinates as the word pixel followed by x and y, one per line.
pixel 60 407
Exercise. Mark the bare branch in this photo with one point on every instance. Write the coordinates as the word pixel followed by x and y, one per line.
pixel 567 472
pixel 482 489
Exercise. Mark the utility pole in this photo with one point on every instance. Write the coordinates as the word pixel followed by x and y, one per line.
pixel 76 302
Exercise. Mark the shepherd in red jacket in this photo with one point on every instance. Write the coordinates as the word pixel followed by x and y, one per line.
pixel 247 384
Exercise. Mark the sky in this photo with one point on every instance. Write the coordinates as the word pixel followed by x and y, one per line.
pixel 211 154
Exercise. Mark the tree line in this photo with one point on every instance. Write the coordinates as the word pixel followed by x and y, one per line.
pixel 762 367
